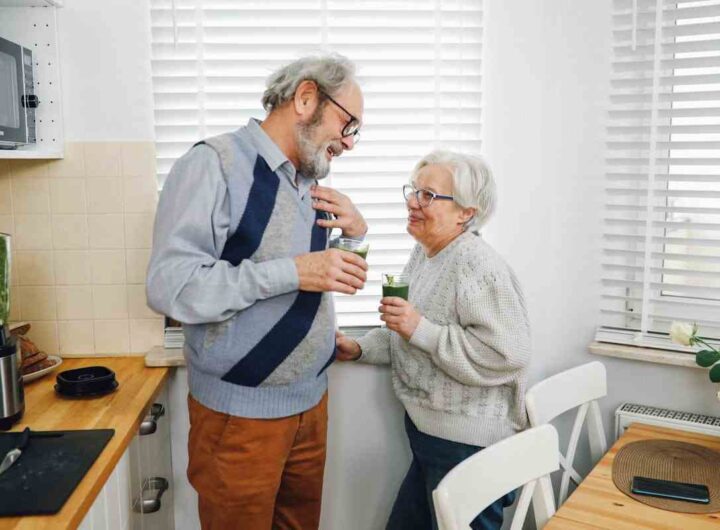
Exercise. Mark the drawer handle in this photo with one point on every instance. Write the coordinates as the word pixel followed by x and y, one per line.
pixel 149 424
pixel 149 499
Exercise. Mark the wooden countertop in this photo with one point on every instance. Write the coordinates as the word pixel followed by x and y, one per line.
pixel 123 410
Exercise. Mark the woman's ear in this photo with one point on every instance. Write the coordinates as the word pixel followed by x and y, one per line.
pixel 306 98
pixel 466 214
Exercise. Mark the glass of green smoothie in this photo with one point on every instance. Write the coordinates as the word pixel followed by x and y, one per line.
pixel 353 245
pixel 395 284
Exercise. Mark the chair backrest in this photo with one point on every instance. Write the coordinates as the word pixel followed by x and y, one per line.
pixel 524 459
pixel 578 387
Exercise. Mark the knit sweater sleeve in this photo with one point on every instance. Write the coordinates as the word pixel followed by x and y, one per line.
pixel 490 343
pixel 375 346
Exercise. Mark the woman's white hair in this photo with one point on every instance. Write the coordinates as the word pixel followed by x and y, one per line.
pixel 473 183
pixel 330 72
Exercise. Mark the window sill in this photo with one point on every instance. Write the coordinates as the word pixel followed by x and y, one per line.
pixel 648 355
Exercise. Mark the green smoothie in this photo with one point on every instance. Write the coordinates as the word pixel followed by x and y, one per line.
pixel 353 245
pixel 362 252
pixel 400 290
pixel 395 284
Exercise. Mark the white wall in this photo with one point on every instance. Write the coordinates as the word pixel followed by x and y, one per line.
pixel 546 68
pixel 546 88
pixel 546 84
pixel 105 68
pixel 368 453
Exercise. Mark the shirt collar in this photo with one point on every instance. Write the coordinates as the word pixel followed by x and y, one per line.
pixel 275 158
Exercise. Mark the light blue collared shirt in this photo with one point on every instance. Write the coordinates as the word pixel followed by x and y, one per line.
pixel 275 158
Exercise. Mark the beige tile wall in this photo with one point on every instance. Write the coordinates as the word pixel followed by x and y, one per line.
pixel 82 230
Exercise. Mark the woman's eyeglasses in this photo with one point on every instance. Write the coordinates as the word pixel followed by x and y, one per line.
pixel 424 197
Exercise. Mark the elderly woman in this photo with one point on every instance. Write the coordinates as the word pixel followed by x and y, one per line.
pixel 460 346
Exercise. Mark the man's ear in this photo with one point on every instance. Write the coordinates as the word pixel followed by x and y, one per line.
pixel 306 99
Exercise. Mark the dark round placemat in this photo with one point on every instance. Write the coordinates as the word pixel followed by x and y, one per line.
pixel 669 460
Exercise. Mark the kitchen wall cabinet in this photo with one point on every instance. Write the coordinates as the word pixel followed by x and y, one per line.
pixel 138 495
pixel 33 25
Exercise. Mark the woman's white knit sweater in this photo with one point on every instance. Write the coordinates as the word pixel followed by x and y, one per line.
pixel 462 375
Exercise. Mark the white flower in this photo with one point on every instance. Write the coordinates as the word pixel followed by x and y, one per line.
pixel 682 332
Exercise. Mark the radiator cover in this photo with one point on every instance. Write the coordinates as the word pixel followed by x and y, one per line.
pixel 628 413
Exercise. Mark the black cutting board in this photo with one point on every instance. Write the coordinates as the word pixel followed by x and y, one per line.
pixel 48 471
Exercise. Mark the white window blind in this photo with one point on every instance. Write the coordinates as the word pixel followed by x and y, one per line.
pixel 419 64
pixel 661 256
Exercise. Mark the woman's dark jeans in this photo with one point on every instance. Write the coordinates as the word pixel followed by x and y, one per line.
pixel 433 458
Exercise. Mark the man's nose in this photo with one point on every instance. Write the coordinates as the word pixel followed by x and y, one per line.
pixel 348 142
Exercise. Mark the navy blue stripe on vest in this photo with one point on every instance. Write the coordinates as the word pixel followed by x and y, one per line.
pixel 329 362
pixel 260 203
pixel 285 335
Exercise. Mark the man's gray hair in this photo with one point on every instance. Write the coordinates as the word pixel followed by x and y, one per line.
pixel 473 183
pixel 330 73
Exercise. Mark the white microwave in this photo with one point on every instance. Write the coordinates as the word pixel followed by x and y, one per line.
pixel 17 96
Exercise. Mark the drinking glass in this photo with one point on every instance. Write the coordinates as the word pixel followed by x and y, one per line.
pixel 395 284
pixel 353 245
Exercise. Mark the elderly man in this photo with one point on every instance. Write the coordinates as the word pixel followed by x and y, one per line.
pixel 240 257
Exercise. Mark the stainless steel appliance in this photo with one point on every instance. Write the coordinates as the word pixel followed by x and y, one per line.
pixel 12 395
pixel 17 96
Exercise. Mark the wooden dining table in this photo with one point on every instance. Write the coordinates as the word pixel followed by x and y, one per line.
pixel 598 504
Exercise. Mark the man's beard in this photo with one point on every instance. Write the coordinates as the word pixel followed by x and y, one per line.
pixel 313 162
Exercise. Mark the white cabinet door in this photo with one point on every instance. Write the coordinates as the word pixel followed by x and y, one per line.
pixel 112 509
pixel 136 516
pixel 128 500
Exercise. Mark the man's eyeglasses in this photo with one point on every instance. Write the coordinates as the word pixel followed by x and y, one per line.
pixel 423 197
pixel 352 127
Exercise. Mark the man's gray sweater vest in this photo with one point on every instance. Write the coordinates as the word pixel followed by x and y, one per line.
pixel 269 359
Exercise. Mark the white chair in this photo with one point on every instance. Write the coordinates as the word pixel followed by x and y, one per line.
pixel 579 387
pixel 526 459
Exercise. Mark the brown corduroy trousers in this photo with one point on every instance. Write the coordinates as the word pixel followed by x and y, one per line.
pixel 257 474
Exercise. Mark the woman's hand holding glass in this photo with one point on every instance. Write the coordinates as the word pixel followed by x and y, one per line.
pixel 399 315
